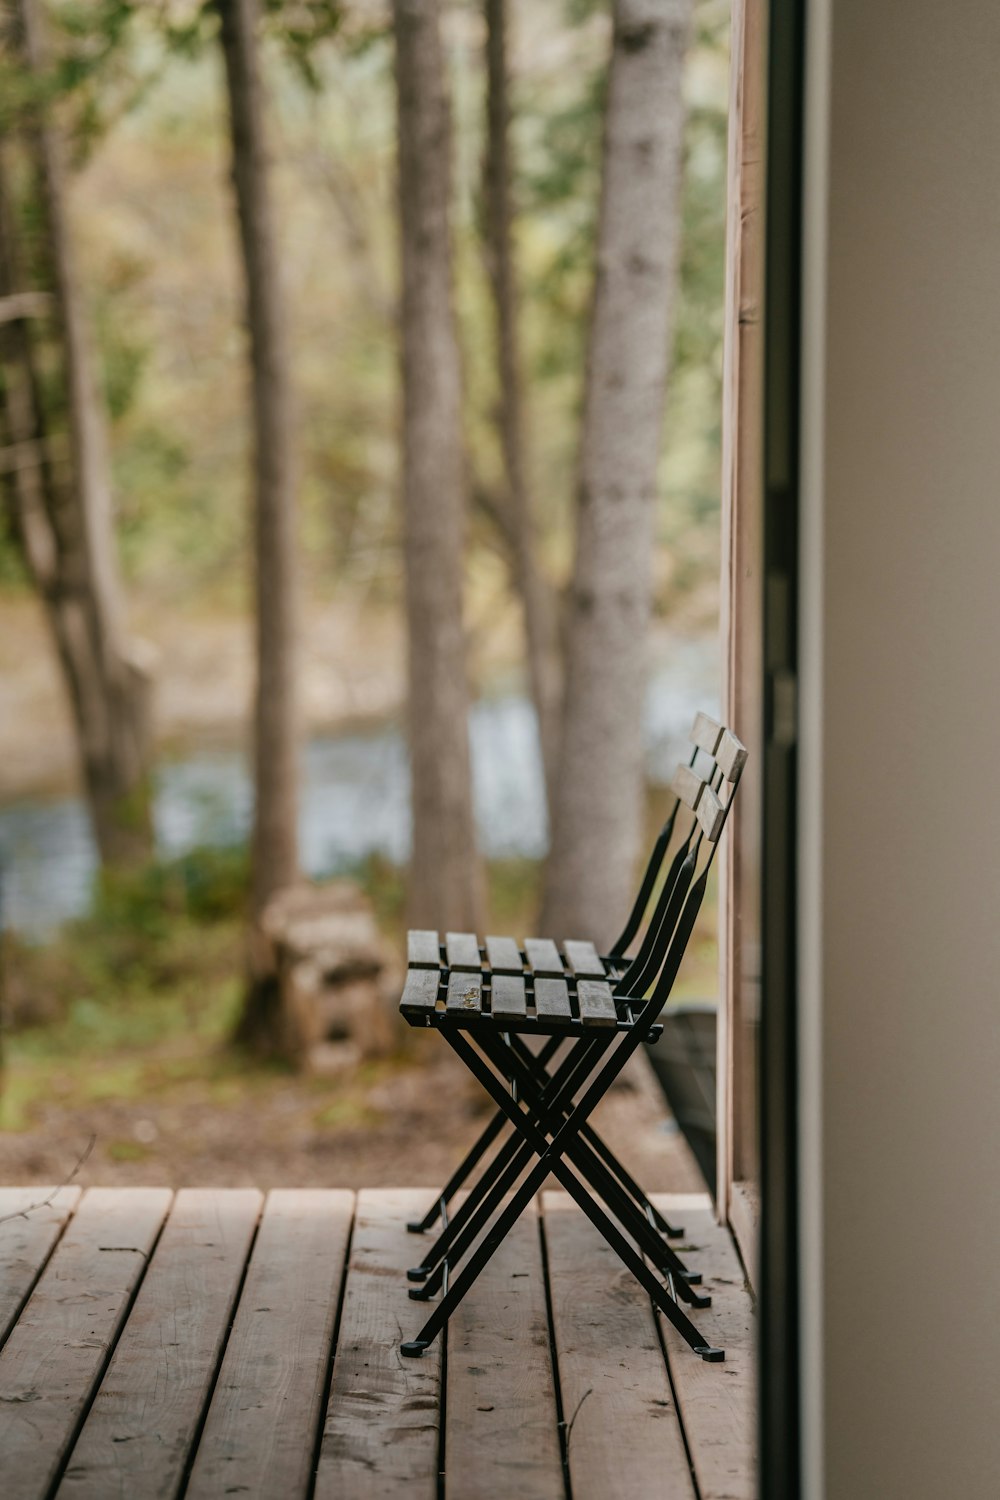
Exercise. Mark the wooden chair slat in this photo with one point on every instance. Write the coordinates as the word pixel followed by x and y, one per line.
pixel 543 958
pixel 688 786
pixel 509 996
pixel 462 949
pixel 423 950
pixel 420 992
pixel 503 955
pixel 711 814
pixel 552 998
pixel 597 1005
pixel 731 756
pixel 465 992
pixel 705 733
pixel 583 960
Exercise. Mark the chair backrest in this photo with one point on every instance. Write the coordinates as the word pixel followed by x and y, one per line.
pixel 704 789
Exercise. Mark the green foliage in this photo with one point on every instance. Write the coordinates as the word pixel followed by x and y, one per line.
pixel 207 884
pixel 13 574
pixel 157 965
pixel 97 1018
pixel 301 25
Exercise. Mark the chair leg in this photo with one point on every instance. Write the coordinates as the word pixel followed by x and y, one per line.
pixel 474 1155
pixel 471 1230
pixel 550 1160
pixel 592 1169
pixel 478 1150
pixel 673 1231
pixel 462 1229
pixel 457 1238
pixel 499 1178
pixel 627 1209
pixel 443 1310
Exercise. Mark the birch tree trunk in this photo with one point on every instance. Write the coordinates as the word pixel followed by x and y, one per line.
pixel 446 886
pixel 275 861
pixel 66 522
pixel 537 603
pixel 598 801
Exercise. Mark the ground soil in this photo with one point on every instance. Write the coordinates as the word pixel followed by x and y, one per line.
pixel 408 1127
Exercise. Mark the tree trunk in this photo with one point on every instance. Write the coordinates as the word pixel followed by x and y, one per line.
pixel 599 792
pixel 446 888
pixel 67 527
pixel 537 602
pixel 276 736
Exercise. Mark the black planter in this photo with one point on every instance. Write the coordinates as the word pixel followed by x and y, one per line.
pixel 684 1062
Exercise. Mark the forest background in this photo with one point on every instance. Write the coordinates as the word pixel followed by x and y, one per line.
pixel 145 988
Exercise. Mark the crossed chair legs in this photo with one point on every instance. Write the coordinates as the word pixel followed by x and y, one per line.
pixel 537 1064
pixel 549 1097
pixel 555 1131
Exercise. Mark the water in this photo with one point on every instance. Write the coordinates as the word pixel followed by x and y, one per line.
pixel 355 797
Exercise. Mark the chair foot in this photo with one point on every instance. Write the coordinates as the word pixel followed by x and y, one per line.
pixel 415 1228
pixel 417 1273
pixel 419 1294
pixel 710 1355
pixel 414 1348
pixel 693 1278
pixel 696 1300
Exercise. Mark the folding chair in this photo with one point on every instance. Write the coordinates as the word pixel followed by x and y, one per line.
pixel 596 1011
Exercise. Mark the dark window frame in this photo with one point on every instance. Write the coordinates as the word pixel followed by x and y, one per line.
pixel 780 1425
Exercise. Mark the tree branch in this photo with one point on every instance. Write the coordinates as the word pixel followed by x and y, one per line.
pixel 22 1213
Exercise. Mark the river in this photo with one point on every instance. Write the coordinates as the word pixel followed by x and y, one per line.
pixel 355 796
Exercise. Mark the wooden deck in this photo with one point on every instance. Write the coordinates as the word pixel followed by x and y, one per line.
pixel 211 1343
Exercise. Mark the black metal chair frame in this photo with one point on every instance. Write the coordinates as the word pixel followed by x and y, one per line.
pixel 548 1099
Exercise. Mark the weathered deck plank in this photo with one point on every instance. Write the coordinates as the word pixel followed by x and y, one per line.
pixel 26 1243
pixel 264 1416
pixel 55 1354
pixel 623 1432
pixel 146 1329
pixel 717 1401
pixel 380 1437
pixel 501 1429
pixel 139 1431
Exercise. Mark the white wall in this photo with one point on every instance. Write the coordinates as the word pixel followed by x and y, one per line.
pixel 900 905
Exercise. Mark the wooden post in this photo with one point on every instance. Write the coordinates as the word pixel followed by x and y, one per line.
pixel 742 479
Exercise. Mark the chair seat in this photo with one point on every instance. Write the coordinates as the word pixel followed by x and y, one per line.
pixel 537 987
